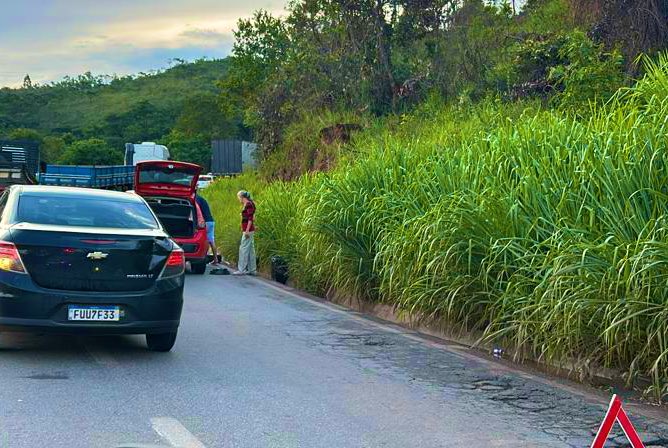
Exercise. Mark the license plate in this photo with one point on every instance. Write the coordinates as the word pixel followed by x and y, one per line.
pixel 94 313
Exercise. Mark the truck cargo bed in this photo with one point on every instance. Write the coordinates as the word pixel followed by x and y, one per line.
pixel 114 176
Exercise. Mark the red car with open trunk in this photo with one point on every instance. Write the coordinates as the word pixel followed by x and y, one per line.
pixel 169 188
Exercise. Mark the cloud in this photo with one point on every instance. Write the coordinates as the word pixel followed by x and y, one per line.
pixel 160 32
pixel 70 37
pixel 206 35
pixel 114 50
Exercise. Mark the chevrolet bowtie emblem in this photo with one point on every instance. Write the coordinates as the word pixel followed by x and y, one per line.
pixel 97 255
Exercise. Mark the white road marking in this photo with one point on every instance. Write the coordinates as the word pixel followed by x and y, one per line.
pixel 175 433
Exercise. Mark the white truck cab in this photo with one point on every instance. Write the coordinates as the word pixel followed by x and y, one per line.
pixel 141 152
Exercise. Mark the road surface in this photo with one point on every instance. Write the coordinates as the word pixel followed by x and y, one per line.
pixel 255 366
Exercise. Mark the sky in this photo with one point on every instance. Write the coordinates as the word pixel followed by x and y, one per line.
pixel 49 39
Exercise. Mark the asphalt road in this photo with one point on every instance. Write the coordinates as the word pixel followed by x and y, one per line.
pixel 255 366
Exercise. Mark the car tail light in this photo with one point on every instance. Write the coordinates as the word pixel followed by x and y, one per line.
pixel 201 224
pixel 10 260
pixel 175 265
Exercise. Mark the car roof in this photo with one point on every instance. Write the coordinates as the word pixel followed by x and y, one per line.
pixel 74 193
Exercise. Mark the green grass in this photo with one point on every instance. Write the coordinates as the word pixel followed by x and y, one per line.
pixel 544 232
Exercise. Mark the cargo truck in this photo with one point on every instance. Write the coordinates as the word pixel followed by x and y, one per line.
pixel 231 157
pixel 142 152
pixel 19 153
pixel 13 175
pixel 115 177
pixel 19 162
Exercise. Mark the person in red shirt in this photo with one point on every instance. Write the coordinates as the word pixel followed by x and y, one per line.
pixel 247 261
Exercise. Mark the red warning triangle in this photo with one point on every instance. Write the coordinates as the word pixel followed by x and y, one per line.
pixel 616 413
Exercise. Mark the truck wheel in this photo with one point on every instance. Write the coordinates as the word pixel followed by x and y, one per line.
pixel 198 268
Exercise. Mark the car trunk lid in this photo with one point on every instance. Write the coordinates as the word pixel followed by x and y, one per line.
pixel 167 178
pixel 65 258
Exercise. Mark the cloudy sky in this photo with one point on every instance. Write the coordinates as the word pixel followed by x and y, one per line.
pixel 52 38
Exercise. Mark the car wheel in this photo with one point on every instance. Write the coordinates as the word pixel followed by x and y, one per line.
pixel 198 268
pixel 161 342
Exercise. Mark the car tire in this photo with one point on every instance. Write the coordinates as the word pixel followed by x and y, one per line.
pixel 198 268
pixel 160 342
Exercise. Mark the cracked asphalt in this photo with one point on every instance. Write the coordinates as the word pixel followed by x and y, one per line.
pixel 257 366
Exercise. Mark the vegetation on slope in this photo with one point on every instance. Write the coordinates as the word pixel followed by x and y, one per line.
pixel 510 178
pixel 543 231
pixel 379 58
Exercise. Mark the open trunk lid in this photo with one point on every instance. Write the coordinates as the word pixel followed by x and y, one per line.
pixel 167 178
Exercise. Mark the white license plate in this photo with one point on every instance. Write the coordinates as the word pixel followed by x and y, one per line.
pixel 94 313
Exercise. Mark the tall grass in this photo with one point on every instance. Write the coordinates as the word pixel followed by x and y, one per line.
pixel 542 231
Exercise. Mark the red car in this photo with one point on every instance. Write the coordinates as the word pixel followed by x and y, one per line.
pixel 169 188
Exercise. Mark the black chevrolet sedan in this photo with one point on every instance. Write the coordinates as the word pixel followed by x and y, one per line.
pixel 75 260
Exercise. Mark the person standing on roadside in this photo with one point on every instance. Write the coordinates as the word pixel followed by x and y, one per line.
pixel 247 261
pixel 210 226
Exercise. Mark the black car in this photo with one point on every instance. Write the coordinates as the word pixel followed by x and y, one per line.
pixel 75 260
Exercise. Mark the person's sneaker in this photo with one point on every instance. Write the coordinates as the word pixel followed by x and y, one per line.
pixel 238 273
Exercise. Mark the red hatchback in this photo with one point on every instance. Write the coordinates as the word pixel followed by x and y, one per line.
pixel 169 188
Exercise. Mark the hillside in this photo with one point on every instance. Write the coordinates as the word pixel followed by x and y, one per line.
pixel 81 104
pixel 157 106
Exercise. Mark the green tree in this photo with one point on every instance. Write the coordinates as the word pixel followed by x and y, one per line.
pixel 144 121
pixel 92 151
pixel 27 82
pixel 588 73
pixel 25 134
pixel 52 148
pixel 193 148
pixel 260 47
pixel 203 115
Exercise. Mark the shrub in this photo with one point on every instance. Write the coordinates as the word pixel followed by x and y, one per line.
pixel 569 68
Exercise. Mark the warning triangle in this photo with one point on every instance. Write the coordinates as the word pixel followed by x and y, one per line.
pixel 616 413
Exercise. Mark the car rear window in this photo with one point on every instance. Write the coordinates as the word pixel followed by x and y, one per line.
pixel 85 212
pixel 165 175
